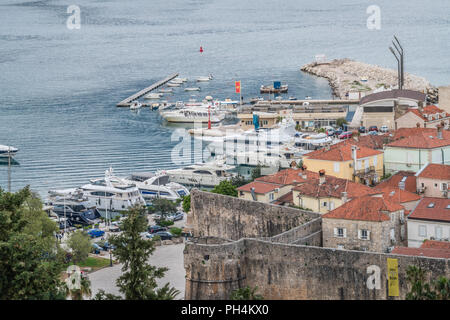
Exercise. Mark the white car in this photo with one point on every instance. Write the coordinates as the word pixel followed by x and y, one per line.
pixel 384 129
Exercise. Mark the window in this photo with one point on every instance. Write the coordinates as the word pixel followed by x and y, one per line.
pixel 364 234
pixel 423 184
pixel 271 196
pixel 444 187
pixel 340 232
pixel 375 159
pixel 422 231
pixel 324 204
pixel 438 233
pixel 336 167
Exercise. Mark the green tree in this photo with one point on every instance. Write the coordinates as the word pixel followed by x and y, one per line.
pixel 238 181
pixel 30 258
pixel 225 187
pixel 340 122
pixel 256 172
pixel 138 281
pixel 80 244
pixel 163 207
pixel 438 289
pixel 246 293
pixel 187 203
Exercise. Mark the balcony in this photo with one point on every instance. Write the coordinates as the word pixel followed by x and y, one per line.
pixel 365 173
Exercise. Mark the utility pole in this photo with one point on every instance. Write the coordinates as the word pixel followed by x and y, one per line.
pixel 400 60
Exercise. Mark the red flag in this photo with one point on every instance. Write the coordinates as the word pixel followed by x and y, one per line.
pixel 237 84
pixel 201 49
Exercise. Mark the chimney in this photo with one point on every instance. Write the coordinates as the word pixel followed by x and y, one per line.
pixel 418 125
pixel 322 176
pixel 304 176
pixel 252 190
pixel 439 131
pixel 344 197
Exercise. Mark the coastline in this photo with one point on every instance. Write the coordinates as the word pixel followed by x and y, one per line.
pixel 345 75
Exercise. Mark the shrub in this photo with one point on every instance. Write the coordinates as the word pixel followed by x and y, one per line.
pixel 165 223
pixel 156 238
pixel 176 231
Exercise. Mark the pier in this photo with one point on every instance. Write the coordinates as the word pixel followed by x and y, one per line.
pixel 127 102
pixel 310 101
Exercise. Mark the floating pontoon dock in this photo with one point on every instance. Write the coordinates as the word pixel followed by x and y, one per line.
pixel 127 102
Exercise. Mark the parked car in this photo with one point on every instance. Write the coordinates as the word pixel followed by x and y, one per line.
pixel 338 131
pixel 96 248
pixel 345 135
pixel 372 133
pixel 154 229
pixel 164 235
pixel 384 129
pixel 114 229
pixel 330 132
pixel 362 129
pixel 107 246
pixel 373 128
pixel 95 233
pixel 176 216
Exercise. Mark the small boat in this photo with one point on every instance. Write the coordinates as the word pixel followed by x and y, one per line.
pixel 135 105
pixel 163 90
pixel 192 89
pixel 7 151
pixel 255 100
pixel 292 98
pixel 155 106
pixel 177 79
pixel 153 95
pixel 205 79
pixel 172 84
pixel 308 98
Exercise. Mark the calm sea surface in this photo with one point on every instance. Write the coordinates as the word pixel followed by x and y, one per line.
pixel 59 87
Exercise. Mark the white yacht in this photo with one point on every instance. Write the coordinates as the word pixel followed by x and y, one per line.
pixel 135 105
pixel 157 185
pixel 192 89
pixel 7 151
pixel 312 141
pixel 153 95
pixel 174 84
pixel 202 174
pixel 205 79
pixel 193 115
pixel 112 193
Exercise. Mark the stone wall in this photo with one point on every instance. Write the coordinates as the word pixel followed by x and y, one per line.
pixel 232 218
pixel 444 98
pixel 284 271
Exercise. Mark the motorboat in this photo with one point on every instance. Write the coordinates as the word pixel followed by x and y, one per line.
pixel 135 105
pixel 166 90
pixel 112 194
pixel 157 185
pixel 174 84
pixel 178 79
pixel 192 89
pixel 192 115
pixel 7 151
pixel 202 174
pixel 205 79
pixel 155 106
pixel 308 98
pixel 153 95
pixel 312 141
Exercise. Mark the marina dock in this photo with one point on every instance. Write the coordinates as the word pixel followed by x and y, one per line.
pixel 127 102
pixel 310 101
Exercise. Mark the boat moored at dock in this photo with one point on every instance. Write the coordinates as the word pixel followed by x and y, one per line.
pixel 7 151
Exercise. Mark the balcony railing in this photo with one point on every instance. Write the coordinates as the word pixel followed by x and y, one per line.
pixel 369 171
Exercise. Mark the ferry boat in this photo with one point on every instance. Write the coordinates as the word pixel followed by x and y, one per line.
pixel 157 185
pixel 7 151
pixel 202 174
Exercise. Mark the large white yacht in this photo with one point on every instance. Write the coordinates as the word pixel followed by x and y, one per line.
pixel 193 115
pixel 202 174
pixel 112 193
pixel 7 151
pixel 157 185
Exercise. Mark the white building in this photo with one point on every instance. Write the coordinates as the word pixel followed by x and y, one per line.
pixel 430 220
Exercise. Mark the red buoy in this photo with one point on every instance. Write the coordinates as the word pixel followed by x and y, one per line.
pixel 201 49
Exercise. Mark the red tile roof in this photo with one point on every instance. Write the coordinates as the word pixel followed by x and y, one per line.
pixel 422 252
pixel 434 244
pixel 333 187
pixel 365 208
pixel 287 198
pixel 341 151
pixel 428 110
pixel 435 171
pixel 288 176
pixel 393 181
pixel 398 195
pixel 260 187
pixel 375 142
pixel 423 138
pixel 436 209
